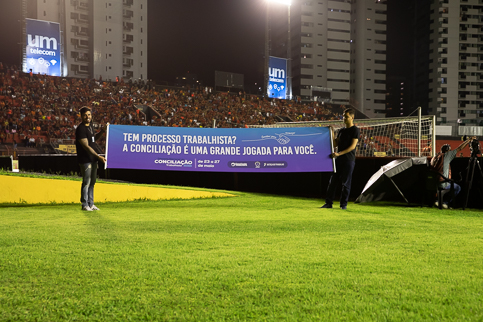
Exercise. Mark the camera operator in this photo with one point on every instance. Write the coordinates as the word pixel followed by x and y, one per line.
pixel 475 147
pixel 441 163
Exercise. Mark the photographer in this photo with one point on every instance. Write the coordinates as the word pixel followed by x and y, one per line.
pixel 441 163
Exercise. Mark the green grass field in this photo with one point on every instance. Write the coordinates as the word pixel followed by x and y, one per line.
pixel 250 257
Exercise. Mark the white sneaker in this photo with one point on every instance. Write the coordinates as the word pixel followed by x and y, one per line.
pixel 444 206
pixel 93 207
pixel 86 208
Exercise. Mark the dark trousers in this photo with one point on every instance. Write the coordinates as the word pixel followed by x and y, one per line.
pixel 343 176
pixel 89 175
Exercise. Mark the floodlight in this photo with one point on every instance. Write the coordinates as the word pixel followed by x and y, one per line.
pixel 285 2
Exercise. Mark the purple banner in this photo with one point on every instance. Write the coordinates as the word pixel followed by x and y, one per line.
pixel 220 150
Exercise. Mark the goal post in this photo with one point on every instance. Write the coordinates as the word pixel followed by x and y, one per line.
pixel 390 137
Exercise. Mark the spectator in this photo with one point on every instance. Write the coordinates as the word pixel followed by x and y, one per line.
pixel 44 106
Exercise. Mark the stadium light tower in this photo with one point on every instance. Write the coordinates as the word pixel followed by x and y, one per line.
pixel 288 3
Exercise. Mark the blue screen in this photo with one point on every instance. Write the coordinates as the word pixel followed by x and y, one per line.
pixel 43 47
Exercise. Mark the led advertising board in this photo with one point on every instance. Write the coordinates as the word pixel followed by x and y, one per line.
pixel 277 73
pixel 43 47
pixel 305 149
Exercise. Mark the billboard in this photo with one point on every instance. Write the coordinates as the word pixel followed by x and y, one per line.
pixel 219 150
pixel 230 80
pixel 277 77
pixel 43 47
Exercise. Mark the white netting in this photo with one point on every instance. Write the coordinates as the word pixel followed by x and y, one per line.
pixel 396 137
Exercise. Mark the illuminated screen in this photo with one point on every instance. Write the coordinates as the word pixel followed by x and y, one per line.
pixel 43 47
pixel 277 82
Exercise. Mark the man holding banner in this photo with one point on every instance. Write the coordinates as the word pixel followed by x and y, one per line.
pixel 345 160
pixel 87 157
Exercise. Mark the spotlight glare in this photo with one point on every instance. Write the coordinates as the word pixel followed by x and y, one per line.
pixel 285 2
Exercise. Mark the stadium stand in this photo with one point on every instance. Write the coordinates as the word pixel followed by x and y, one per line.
pixel 39 113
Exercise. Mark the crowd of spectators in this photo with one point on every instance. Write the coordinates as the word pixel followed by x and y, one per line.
pixel 39 105
pixel 45 106
pixel 199 107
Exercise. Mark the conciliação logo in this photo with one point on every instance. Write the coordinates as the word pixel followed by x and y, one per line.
pixel 174 162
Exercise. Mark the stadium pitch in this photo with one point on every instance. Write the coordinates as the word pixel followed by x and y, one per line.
pixel 253 257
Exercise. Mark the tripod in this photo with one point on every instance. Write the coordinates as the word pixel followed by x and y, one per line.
pixel 470 172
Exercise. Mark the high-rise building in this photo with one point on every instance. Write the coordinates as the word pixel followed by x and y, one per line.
pixel 100 38
pixel 398 97
pixel 455 65
pixel 368 54
pixel 338 52
pixel 419 19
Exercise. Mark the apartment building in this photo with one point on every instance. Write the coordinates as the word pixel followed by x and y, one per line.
pixel 455 64
pixel 100 38
pixel 338 51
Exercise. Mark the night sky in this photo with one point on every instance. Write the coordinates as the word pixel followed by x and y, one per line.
pixel 204 36
pixel 201 36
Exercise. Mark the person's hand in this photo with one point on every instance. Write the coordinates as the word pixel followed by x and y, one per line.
pixel 334 155
pixel 101 158
pixel 104 128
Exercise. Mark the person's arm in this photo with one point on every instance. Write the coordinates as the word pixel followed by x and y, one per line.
pixel 100 133
pixel 465 143
pixel 349 149
pixel 85 144
pixel 335 141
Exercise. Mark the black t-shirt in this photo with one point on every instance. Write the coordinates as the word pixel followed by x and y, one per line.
pixel 85 132
pixel 345 137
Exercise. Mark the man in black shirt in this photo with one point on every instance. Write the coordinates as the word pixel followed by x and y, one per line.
pixel 345 160
pixel 87 157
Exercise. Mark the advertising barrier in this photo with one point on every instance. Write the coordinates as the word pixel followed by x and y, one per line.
pixel 220 150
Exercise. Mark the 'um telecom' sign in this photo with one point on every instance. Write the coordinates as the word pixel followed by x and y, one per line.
pixel 277 81
pixel 43 47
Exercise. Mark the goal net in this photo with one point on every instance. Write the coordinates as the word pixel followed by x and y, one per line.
pixel 393 137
